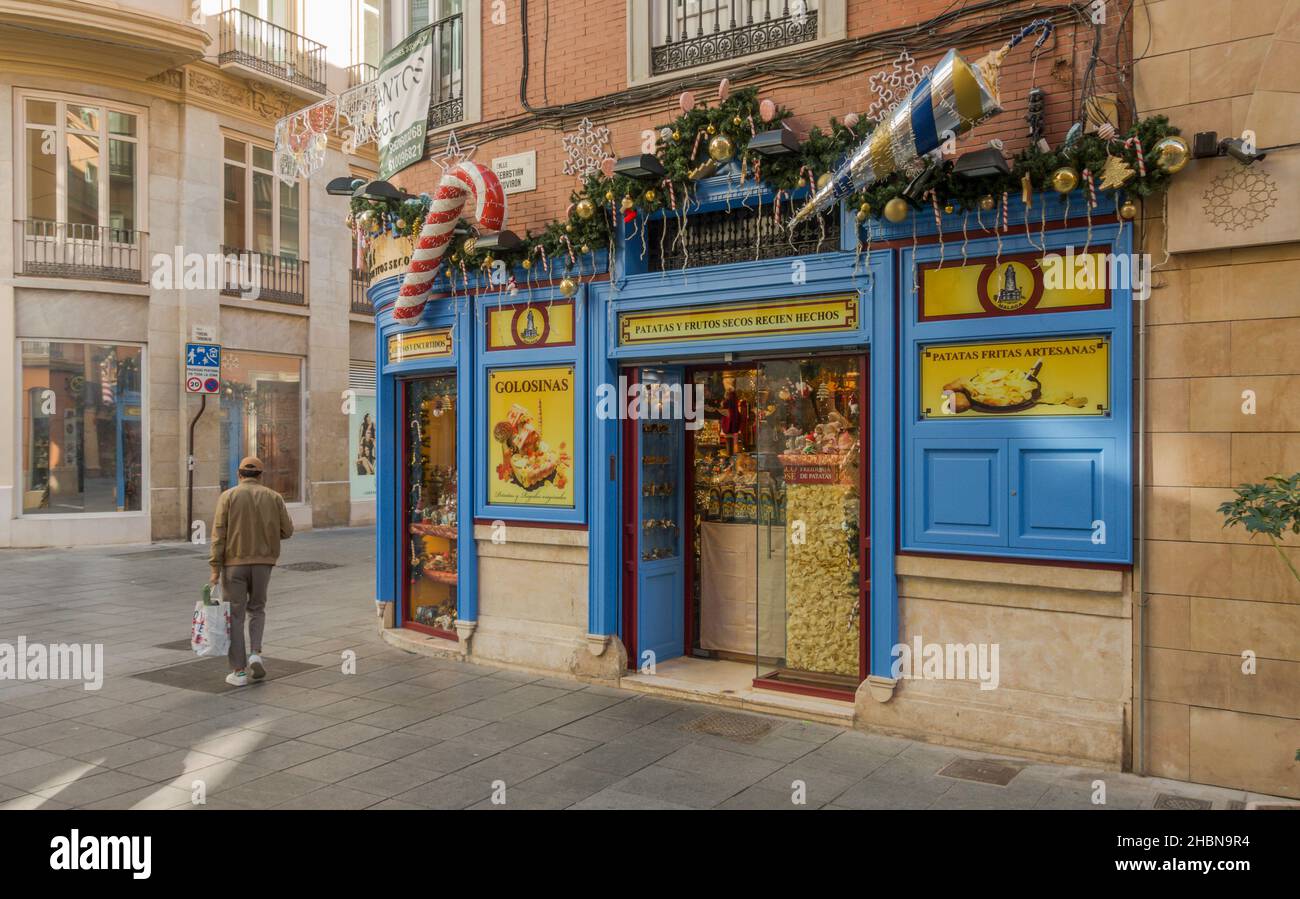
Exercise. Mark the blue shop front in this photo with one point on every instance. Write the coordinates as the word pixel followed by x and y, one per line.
pixel 737 466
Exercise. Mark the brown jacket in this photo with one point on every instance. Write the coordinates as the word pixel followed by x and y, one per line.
pixel 251 521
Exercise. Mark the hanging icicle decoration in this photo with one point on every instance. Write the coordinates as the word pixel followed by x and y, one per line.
pixel 938 223
pixel 1042 226
pixel 916 284
pixel 1006 217
pixel 1088 206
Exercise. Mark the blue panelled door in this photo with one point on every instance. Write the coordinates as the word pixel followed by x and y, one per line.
pixel 660 605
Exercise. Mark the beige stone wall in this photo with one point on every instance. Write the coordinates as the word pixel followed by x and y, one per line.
pixel 1063 638
pixel 1221 322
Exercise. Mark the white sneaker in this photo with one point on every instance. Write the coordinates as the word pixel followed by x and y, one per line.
pixel 237 679
pixel 255 665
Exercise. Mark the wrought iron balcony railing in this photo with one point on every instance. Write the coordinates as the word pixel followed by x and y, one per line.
pixel 360 302
pixel 267 48
pixel 262 276
pixel 361 72
pixel 689 33
pixel 69 250
pixel 741 235
pixel 447 105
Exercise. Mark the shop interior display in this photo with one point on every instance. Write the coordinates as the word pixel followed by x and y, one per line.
pixel 778 451
pixel 660 531
pixel 431 503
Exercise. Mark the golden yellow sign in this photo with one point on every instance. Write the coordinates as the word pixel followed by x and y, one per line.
pixel 1054 376
pixel 1012 285
pixel 409 345
pixel 389 256
pixel 525 326
pixel 530 437
pixel 765 318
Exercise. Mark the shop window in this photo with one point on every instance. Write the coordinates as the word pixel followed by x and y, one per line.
pixel 261 415
pixel 429 459
pixel 83 426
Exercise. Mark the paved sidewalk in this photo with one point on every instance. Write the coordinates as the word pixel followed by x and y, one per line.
pixel 412 732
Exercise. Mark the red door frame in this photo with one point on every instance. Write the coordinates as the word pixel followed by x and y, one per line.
pixel 404 520
pixel 628 524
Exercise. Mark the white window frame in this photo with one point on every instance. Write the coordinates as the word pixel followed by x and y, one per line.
pixel 20 457
pixel 358 49
pixel 141 178
pixel 248 167
pixel 832 18
pixel 397 20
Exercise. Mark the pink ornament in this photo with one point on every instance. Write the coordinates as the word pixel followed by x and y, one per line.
pixel 686 101
pixel 767 110
pixel 724 88
pixel 607 166
pixel 464 180
pixel 851 120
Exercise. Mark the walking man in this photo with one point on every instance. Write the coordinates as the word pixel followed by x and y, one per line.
pixel 251 521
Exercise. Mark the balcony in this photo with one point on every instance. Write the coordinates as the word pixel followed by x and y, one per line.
pixel 261 47
pixel 262 276
pixel 690 33
pixel 360 73
pixel 446 103
pixel 68 250
pixel 361 304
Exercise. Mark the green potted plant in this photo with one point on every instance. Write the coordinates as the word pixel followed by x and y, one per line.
pixel 1270 508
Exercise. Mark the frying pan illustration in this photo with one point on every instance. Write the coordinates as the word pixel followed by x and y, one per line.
pixel 1034 396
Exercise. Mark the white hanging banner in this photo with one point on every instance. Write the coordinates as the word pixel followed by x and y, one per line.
pixel 403 91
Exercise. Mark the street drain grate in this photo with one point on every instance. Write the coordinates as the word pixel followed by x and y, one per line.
pixel 311 566
pixel 169 552
pixel 981 771
pixel 1171 802
pixel 209 675
pixel 730 726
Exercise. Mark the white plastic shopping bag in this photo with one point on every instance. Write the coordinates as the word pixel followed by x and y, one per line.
pixel 210 632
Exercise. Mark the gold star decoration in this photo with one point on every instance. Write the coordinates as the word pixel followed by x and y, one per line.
pixel 1115 173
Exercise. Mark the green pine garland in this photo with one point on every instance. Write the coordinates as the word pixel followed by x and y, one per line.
pixel 683 147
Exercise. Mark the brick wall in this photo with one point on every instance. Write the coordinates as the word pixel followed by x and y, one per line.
pixel 586 57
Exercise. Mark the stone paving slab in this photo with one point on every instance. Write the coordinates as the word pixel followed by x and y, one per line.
pixel 409 732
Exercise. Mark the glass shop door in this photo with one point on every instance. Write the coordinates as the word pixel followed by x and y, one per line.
pixel 809 554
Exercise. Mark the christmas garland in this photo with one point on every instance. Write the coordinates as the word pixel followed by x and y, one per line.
pixel 700 140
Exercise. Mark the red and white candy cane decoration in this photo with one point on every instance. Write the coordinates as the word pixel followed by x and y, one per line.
pixel 460 182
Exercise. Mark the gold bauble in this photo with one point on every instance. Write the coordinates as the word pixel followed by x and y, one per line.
pixel 1128 210
pixel 568 287
pixel 626 204
pixel 987 203
pixel 568 228
pixel 823 180
pixel 526 264
pixel 1065 179
pixel 948 208
pixel 609 196
pixel 896 210
pixel 585 208
pixel 737 121
pixel 1171 153
pixel 721 149
pixel 585 248
pixel 864 208
pixel 650 195
pixel 711 129
pixel 677 135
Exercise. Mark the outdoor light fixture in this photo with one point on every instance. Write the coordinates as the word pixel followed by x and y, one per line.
pixel 380 190
pixel 643 166
pixel 1206 145
pixel 776 142
pixel 978 163
pixel 497 240
pixel 916 188
pixel 344 186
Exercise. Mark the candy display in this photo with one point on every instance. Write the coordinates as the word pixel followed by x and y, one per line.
pixel 660 499
pixel 462 181
pixel 822 581
pixel 431 502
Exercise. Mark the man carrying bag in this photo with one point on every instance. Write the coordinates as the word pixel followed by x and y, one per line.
pixel 251 521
